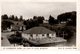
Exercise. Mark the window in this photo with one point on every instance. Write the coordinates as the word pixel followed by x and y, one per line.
pixel 42 34
pixel 47 34
pixel 31 35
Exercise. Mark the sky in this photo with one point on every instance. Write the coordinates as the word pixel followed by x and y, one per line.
pixel 30 9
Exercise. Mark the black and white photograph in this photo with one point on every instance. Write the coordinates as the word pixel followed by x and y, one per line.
pixel 38 24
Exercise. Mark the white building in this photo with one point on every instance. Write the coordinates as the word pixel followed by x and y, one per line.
pixel 38 33
pixel 41 35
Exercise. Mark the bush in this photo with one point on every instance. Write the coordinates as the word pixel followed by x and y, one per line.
pixel 15 38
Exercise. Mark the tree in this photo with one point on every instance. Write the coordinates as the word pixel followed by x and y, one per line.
pixel 35 17
pixel 5 24
pixel 69 17
pixel 27 24
pixel 73 18
pixel 15 38
pixel 40 19
pixel 12 17
pixel 24 22
pixel 21 18
pixel 33 22
pixel 64 16
pixel 51 20
pixel 16 18
pixel 4 16
pixel 55 21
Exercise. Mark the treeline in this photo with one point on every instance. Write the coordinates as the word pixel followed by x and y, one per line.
pixel 29 23
pixel 52 20
pixel 33 22
pixel 68 17
pixel 7 20
pixel 11 17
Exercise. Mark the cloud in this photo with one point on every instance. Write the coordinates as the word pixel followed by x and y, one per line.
pixel 30 9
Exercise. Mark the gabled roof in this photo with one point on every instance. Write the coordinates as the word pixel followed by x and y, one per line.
pixel 38 30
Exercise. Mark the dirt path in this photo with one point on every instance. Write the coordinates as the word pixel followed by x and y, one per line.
pixel 5 41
